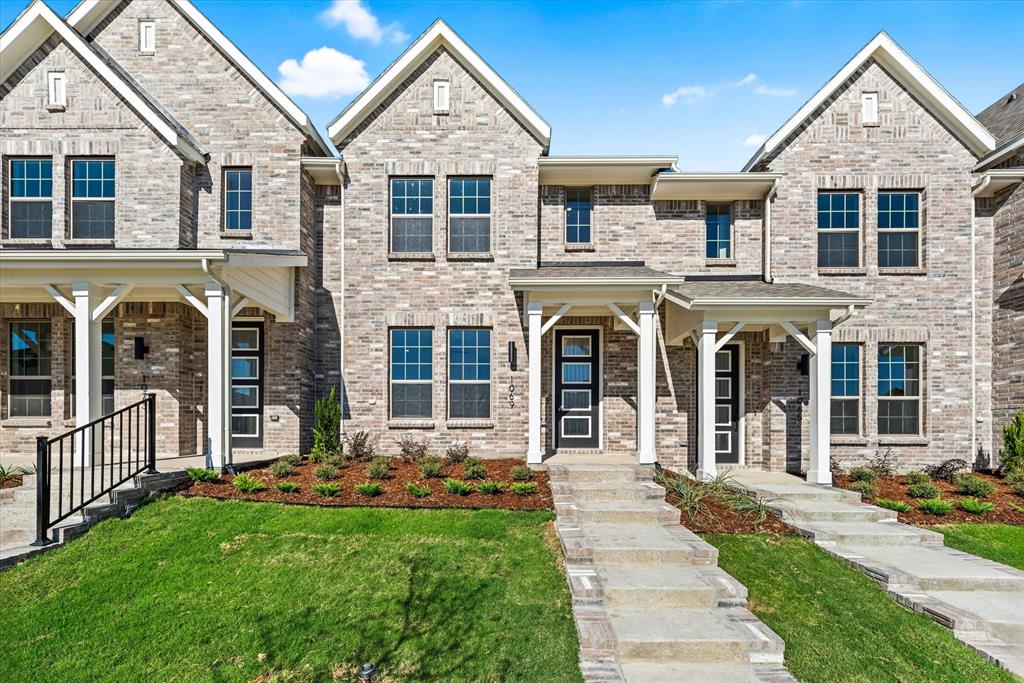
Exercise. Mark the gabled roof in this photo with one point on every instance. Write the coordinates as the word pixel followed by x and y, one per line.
pixel 1005 117
pixel 89 13
pixel 38 22
pixel 896 61
pixel 439 34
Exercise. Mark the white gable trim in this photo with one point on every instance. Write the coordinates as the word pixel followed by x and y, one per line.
pixel 437 35
pixel 37 23
pixel 89 13
pixel 885 50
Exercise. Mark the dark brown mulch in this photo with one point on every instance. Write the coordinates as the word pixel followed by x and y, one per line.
pixel 718 518
pixel 394 493
pixel 12 482
pixel 895 488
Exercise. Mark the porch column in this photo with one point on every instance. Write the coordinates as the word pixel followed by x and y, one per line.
pixel 707 333
pixel 218 335
pixel 645 386
pixel 88 361
pixel 819 471
pixel 534 453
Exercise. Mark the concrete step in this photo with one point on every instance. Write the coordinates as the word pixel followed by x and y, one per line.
pixel 627 512
pixel 14 536
pixel 804 492
pixel 604 492
pixel 931 568
pixel 635 544
pixel 161 481
pixel 1003 611
pixel 830 511
pixel 701 635
pixel 97 513
pixel 870 534
pixel 598 473
pixel 680 672
pixel 653 586
pixel 130 497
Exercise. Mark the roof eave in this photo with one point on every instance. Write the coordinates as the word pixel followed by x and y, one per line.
pixel 703 303
pixel 648 281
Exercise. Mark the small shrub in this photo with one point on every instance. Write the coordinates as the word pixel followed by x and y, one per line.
pixel 316 457
pixel 970 485
pixel 947 469
pixel 1015 480
pixel 327 489
pixel 747 503
pixel 431 467
pixel 688 496
pixel 293 459
pixel 412 449
pixel 918 477
pixel 924 490
pixel 379 468
pixel 976 507
pixel 865 488
pixel 521 473
pixel 934 506
pixel 369 489
pixel 335 460
pixel 287 487
pixel 883 464
pixel 523 488
pixel 282 469
pixel 10 474
pixel 198 474
pixel 1018 508
pixel 458 488
pixel 490 487
pixel 416 490
pixel 361 446
pixel 835 465
pixel 327 424
pixel 863 474
pixel 474 468
pixel 247 484
pixel 326 472
pixel 897 505
pixel 457 453
pixel 1011 455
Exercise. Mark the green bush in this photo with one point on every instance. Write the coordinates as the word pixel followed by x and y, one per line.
pixel 327 489
pixel 474 468
pixel 327 424
pixel 948 469
pixel 369 489
pixel 521 473
pixel 247 484
pixel 361 446
pixel 287 487
pixel 918 477
pixel 490 487
pixel 281 469
pixel 747 503
pixel 326 472
pixel 412 449
pixel 976 507
pixel 416 490
pixel 458 488
pixel 970 485
pixel 431 467
pixel 934 506
pixel 864 488
pixel 293 459
pixel 201 473
pixel 862 474
pixel 336 460
pixel 1011 456
pixel 889 504
pixel 457 453
pixel 1015 480
pixel 687 495
pixel 523 488
pixel 925 490
pixel 883 464
pixel 379 468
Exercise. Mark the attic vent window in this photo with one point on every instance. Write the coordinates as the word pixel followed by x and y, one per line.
pixel 869 108
pixel 147 36
pixel 57 85
pixel 442 92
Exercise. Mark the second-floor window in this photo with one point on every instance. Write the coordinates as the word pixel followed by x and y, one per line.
pixel 899 224
pixel 578 204
pixel 92 198
pixel 845 389
pixel 412 215
pixel 238 199
pixel 718 224
pixel 469 215
pixel 31 196
pixel 838 229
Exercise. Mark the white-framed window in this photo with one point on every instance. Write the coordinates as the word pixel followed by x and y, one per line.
pixel 245 425
pixel 469 215
pixel 838 229
pixel 92 198
pixel 899 229
pixel 147 36
pixel 30 380
pixel 245 397
pixel 579 205
pixel 245 367
pixel 412 215
pixel 869 108
pixel 576 427
pixel 576 373
pixel 469 373
pixel 412 372
pixel 576 345
pixel 57 87
pixel 718 231
pixel 30 193
pixel 576 399
pixel 899 389
pixel 845 389
pixel 442 96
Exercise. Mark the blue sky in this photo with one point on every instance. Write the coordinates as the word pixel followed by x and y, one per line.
pixel 701 80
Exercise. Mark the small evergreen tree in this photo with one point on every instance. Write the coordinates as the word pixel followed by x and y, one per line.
pixel 1011 457
pixel 327 424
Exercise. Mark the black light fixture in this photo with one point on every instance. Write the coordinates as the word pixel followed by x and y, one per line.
pixel 804 364
pixel 367 672
pixel 140 348
pixel 512 356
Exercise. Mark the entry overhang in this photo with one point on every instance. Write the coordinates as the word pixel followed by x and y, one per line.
pixel 712 186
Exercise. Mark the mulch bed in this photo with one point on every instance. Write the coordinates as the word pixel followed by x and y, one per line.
pixel 394 493
pixel 895 488
pixel 719 518
pixel 12 482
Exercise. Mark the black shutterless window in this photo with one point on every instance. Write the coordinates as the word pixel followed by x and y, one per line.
pixel 845 389
pixel 238 199
pixel 838 229
pixel 899 389
pixel 899 223
pixel 31 198
pixel 30 380
pixel 412 215
pixel 469 373
pixel 92 198
pixel 469 215
pixel 412 372
pixel 578 205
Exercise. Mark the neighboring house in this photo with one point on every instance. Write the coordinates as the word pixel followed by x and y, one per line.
pixel 464 285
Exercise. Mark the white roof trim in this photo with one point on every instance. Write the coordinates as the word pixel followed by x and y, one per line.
pixel 89 13
pixel 712 186
pixel 438 34
pixel 602 170
pixel 1000 154
pixel 35 257
pixel 37 23
pixel 885 50
pixel 990 183
pixel 528 282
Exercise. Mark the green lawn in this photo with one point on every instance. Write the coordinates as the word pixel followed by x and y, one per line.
pixel 199 590
pixel 1000 542
pixel 839 626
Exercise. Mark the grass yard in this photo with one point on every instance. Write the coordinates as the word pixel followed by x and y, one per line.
pixel 191 589
pixel 839 626
pixel 999 542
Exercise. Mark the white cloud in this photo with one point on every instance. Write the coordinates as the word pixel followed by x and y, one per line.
pixel 324 72
pixel 746 80
pixel 775 92
pixel 691 94
pixel 360 22
pixel 754 140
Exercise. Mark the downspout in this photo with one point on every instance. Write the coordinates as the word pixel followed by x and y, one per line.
pixel 340 170
pixel 844 317
pixel 229 461
pixel 974 329
pixel 767 235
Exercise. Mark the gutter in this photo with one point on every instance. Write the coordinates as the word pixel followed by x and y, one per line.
pixel 766 237
pixel 339 168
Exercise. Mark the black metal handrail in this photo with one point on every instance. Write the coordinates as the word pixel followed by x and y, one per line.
pixel 113 448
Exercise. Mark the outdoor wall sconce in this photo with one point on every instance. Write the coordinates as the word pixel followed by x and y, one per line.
pixel 512 356
pixel 804 364
pixel 140 348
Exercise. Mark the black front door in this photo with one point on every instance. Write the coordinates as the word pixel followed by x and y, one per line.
pixel 247 385
pixel 727 405
pixel 577 389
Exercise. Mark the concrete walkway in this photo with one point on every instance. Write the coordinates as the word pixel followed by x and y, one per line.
pixel 649 600
pixel 981 601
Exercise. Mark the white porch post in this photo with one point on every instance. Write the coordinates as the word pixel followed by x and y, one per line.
pixel 819 471
pixel 534 312
pixel 218 336
pixel 706 467
pixel 88 362
pixel 645 386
